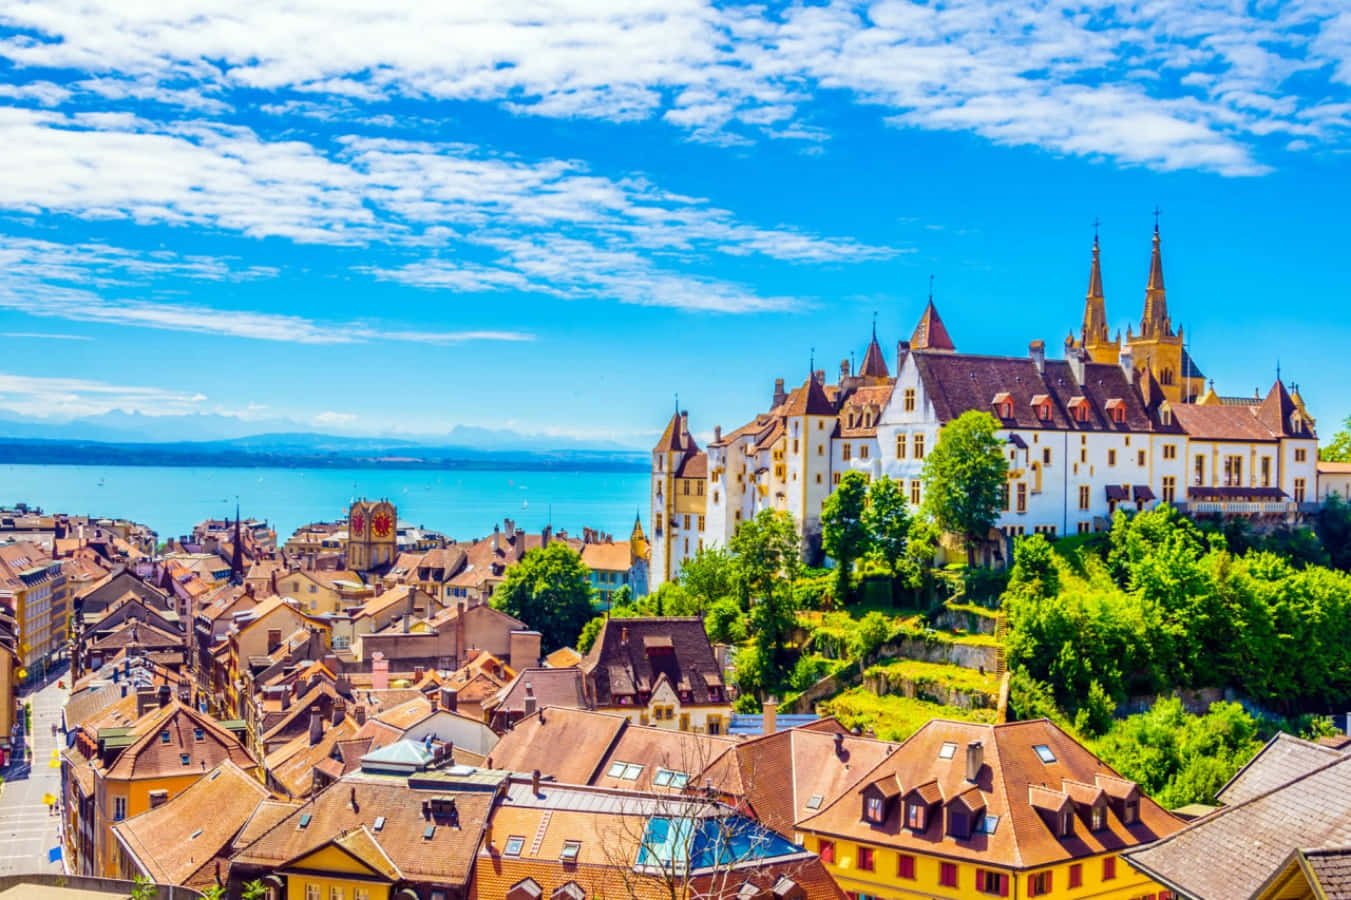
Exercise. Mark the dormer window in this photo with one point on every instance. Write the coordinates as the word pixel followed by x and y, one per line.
pixel 959 824
pixel 874 809
pixel 1131 811
pixel 1003 405
pixel 1165 414
pixel 1079 409
pixel 1041 405
pixel 1116 410
pixel 916 816
pixel 1097 819
pixel 1066 823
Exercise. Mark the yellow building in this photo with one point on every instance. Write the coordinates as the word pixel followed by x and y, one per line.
pixel 679 501
pixel 965 810
pixel 33 585
pixel 163 748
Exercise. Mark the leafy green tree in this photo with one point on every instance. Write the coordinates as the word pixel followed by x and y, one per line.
pixel 1034 566
pixel 1339 448
pixel 1334 531
pixel 549 591
pixel 254 890
pixel 887 519
pixel 1095 715
pixel 143 888
pixel 768 550
pixel 963 477
pixel 869 634
pixel 725 622
pixel 669 599
pixel 844 535
pixel 709 576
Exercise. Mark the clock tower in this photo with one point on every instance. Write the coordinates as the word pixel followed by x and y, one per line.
pixel 372 534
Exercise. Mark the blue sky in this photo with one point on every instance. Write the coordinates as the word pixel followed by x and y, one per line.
pixel 399 217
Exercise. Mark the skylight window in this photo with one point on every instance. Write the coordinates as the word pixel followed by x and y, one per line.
pixel 987 825
pixel 379 823
pixel 679 779
pixel 184 758
pixel 1045 753
pixel 195 835
pixel 616 770
pixel 571 850
pixel 305 820
pixel 164 737
pixel 428 832
pixel 947 751
pixel 514 845
pixel 815 801
pixel 631 772
pixel 663 778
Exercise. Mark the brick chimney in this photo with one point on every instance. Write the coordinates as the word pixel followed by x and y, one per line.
pixel 1037 350
pixel 359 714
pixel 165 694
pixel 530 702
pixel 771 713
pixel 145 700
pixel 339 710
pixel 450 699
pixel 316 724
pixel 975 760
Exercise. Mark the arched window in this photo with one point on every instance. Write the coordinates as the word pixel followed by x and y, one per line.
pixel 1166 376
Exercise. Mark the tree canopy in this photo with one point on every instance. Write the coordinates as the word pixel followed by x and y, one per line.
pixel 887 519
pixel 844 533
pixel 548 590
pixel 1339 448
pixel 768 556
pixel 963 477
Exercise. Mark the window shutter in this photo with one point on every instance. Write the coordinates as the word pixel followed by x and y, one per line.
pixel 1050 877
pixel 1003 885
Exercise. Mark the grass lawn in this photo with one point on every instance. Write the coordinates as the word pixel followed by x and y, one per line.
pixel 894 718
pixel 966 680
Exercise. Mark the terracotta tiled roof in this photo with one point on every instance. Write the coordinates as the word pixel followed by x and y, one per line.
pixel 1011 767
pixel 1283 759
pixel 809 400
pixel 552 687
pixel 1331 867
pixel 930 332
pixel 152 757
pixel 447 857
pixel 654 749
pixel 531 743
pixel 694 465
pixel 1233 851
pixel 195 827
pixel 611 556
pixel 1221 422
pixel 874 363
pixel 1277 414
pixel 619 662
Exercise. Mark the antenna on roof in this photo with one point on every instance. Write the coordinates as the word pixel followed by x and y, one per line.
pixel 1278 368
pixel 811 363
pixel 1156 217
pixel 931 288
pixel 1095 229
pixel 677 402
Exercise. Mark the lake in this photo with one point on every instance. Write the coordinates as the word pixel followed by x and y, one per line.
pixel 461 503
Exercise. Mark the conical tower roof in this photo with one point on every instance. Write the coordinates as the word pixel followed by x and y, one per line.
pixel 931 333
pixel 809 400
pixel 1155 322
pixel 1095 305
pixel 874 363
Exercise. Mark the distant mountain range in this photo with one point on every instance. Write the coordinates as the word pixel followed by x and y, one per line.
pixel 278 434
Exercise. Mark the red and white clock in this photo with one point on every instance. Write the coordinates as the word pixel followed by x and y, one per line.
pixel 382 524
pixel 358 524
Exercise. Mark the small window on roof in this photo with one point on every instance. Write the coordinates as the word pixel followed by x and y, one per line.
pixel 379 823
pixel 1044 752
pixel 198 734
pixel 305 820
pixel 679 779
pixel 815 801
pixel 947 751
pixel 663 778
pixel 164 737
pixel 514 845
pixel 195 835
pixel 571 850
pixel 428 832
pixel 184 758
pixel 631 772
pixel 987 824
pixel 616 770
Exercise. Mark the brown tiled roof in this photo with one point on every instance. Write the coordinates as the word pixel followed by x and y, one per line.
pixel 1221 422
pixel 533 741
pixel 1233 851
pixel 446 857
pixel 779 774
pixel 613 659
pixel 930 332
pixel 152 757
pixel 560 688
pixel 1283 759
pixel 266 815
pixel 1012 766
pixel 1276 414
pixel 659 748
pixel 694 465
pixel 292 764
pixel 674 438
pixel 1331 867
pixel 173 841
pixel 874 363
pixel 809 400
pixel 612 556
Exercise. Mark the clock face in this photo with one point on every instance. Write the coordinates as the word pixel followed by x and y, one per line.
pixel 382 524
pixel 358 524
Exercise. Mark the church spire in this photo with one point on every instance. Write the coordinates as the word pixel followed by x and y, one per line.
pixel 237 554
pixel 1155 322
pixel 874 364
pixel 1095 305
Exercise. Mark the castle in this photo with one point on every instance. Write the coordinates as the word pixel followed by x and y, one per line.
pixel 1116 423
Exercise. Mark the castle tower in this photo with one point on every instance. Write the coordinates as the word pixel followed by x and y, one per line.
pixel 678 472
pixel 1157 347
pixel 1094 337
pixel 874 368
pixel 372 535
pixel 930 333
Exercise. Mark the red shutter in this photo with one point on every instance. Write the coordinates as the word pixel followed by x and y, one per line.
pixel 1003 885
pixel 1050 878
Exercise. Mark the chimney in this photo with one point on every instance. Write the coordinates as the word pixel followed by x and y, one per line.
pixel 524 650
pixel 434 698
pixel 545 533
pixel 530 702
pixel 165 695
pixel 820 375
pixel 717 434
pixel 771 711
pixel 450 699
pixel 379 672
pixel 684 425
pixel 624 636
pixel 1127 360
pixel 331 662
pixel 779 395
pixel 1037 350
pixel 145 700
pixel 339 710
pixel 1076 357
pixel 286 697
pixel 975 760
pixel 316 724
pixel 418 673
pixel 839 744
pixel 534 782
pixel 359 714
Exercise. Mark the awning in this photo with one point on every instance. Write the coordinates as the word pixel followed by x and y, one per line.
pixel 1141 492
pixel 1117 492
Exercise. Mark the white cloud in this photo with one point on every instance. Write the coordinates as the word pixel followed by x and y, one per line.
pixel 329 418
pixel 64 398
pixel 1185 84
pixel 44 335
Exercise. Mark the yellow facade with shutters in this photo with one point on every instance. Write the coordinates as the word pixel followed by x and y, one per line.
pixel 1103 877
pixel 331 873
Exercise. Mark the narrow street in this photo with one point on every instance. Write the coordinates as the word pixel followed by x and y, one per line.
pixel 28 829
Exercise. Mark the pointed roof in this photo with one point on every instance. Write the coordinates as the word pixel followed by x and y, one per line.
pixel 1277 413
pixel 809 400
pixel 874 364
pixel 1095 306
pixel 674 437
pixel 931 333
pixel 1155 322
pixel 237 554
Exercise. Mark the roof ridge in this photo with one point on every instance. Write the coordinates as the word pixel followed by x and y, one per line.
pixel 995 733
